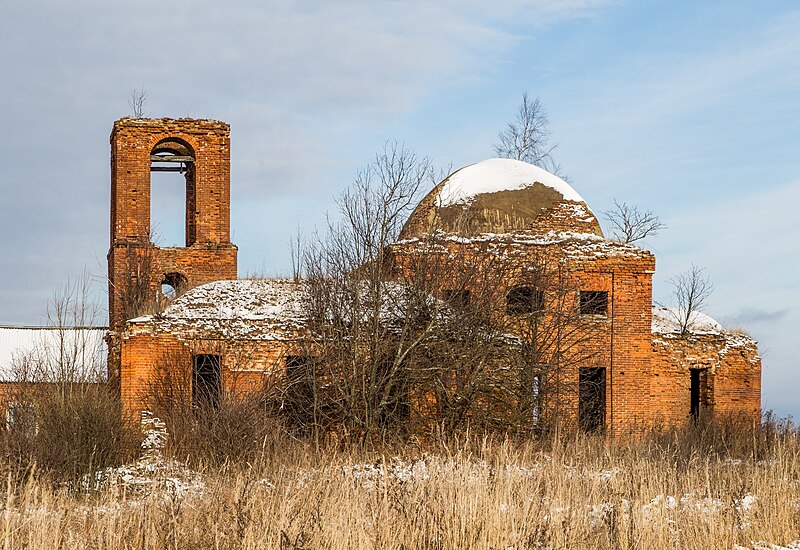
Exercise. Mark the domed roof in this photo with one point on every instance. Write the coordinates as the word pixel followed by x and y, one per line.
pixel 501 196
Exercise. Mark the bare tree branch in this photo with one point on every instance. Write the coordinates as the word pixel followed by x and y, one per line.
pixel 692 289
pixel 137 101
pixel 527 137
pixel 420 333
pixel 629 224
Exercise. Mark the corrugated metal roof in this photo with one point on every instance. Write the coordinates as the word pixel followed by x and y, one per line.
pixel 52 353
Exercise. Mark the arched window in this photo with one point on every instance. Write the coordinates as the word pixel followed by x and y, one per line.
pixel 524 299
pixel 170 194
pixel 173 285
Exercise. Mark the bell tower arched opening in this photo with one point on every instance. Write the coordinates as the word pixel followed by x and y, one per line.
pixel 172 192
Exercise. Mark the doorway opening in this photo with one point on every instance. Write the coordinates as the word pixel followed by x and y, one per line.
pixel 206 380
pixel 592 399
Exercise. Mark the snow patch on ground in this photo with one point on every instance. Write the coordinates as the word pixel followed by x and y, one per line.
pixel 761 545
pixel 152 473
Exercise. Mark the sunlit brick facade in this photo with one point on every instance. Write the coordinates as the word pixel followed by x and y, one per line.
pixel 639 371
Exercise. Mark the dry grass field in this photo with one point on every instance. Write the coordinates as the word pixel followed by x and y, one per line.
pixel 711 487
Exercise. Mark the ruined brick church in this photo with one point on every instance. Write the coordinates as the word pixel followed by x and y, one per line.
pixel 642 368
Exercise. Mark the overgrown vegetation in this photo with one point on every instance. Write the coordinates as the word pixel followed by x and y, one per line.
pixel 62 421
pixel 711 486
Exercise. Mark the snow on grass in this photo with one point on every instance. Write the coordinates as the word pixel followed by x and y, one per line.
pixel 761 545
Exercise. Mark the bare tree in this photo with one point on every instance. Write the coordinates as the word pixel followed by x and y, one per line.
pixel 630 224
pixel 137 101
pixel 63 417
pixel 692 289
pixel 527 137
pixel 418 333
pixel 70 352
pixel 359 361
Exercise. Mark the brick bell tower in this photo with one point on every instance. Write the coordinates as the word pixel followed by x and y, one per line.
pixel 137 268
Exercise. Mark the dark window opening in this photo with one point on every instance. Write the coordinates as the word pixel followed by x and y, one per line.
pixel 168 197
pixel 592 399
pixel 206 380
pixel 456 298
pixel 524 299
pixel 594 302
pixel 299 399
pixel 698 392
pixel 173 285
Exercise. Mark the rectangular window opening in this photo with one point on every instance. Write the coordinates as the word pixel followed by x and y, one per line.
pixel 299 399
pixel 395 407
pixel 21 416
pixel 536 410
pixel 593 302
pixel 592 399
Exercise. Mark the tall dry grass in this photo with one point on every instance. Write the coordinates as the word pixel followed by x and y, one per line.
pixel 712 486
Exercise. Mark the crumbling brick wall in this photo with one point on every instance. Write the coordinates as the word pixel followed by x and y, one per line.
pixel 620 340
pixel 731 375
pixel 246 365
pixel 209 255
pixel 136 266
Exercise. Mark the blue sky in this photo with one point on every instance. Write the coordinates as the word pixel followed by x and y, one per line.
pixel 687 108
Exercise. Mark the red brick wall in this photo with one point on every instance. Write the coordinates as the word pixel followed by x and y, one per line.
pixel 621 341
pixel 209 254
pixel 246 364
pixel 733 375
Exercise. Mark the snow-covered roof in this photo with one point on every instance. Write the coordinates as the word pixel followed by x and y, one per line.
pixel 668 320
pixel 242 308
pixel 51 352
pixel 265 309
pixel 711 337
pixel 257 299
pixel 493 175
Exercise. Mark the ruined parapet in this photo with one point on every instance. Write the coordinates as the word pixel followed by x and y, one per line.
pixel 704 370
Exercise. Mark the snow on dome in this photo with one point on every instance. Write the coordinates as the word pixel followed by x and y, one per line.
pixel 493 175
pixel 500 196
